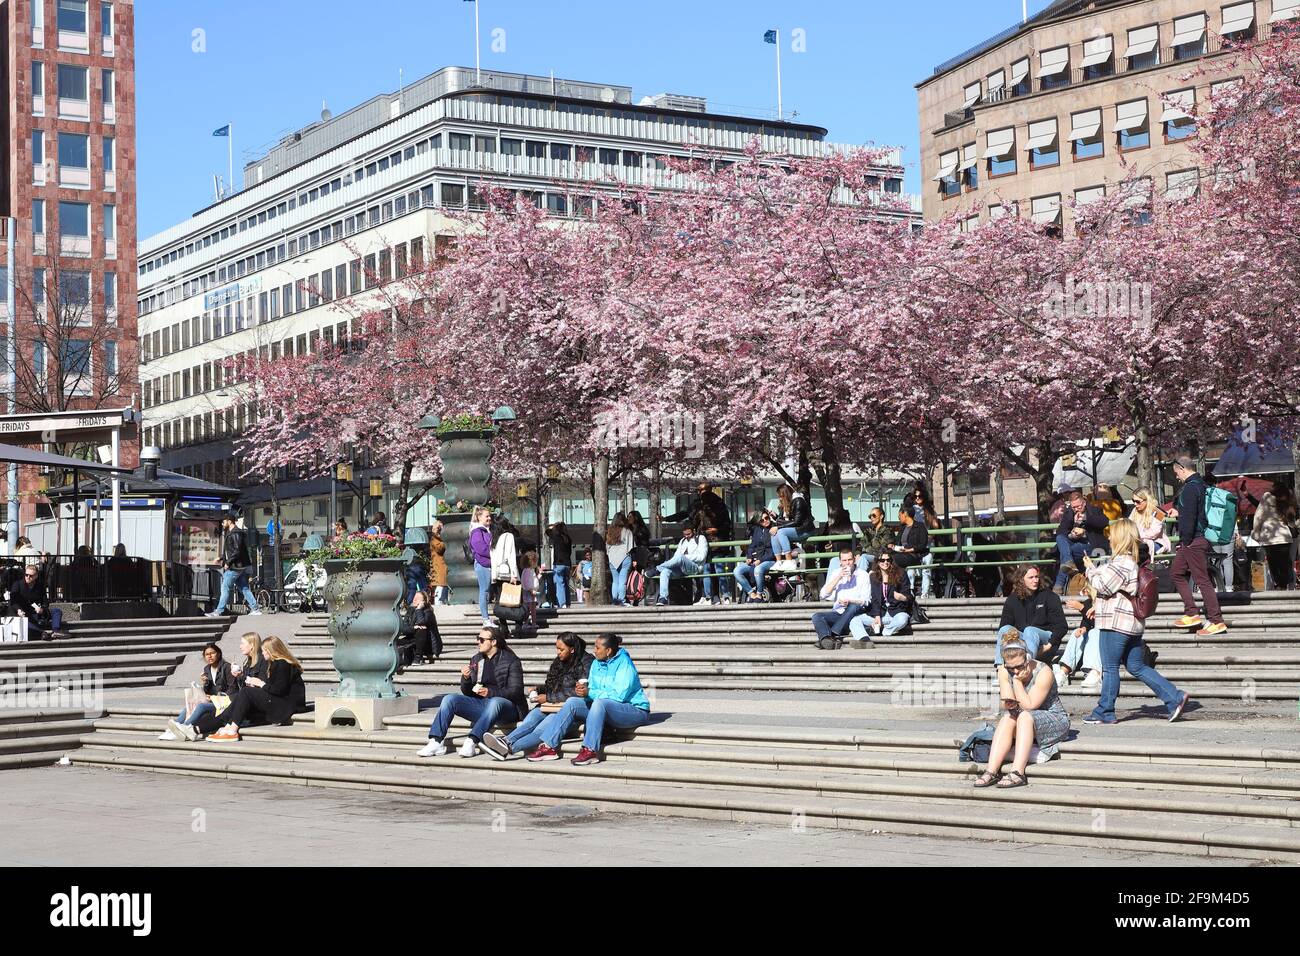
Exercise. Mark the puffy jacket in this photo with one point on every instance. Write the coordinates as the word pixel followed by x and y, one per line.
pixel 616 679
pixel 1269 527
pixel 562 676
pixel 480 544
pixel 506 678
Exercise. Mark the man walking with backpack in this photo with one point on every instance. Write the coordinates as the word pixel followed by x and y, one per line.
pixel 1195 530
pixel 235 563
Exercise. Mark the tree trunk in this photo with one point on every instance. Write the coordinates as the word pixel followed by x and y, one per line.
pixel 402 504
pixel 656 504
pixel 627 492
pixel 599 593
pixel 970 498
pixel 1145 462
pixel 829 473
pixel 999 493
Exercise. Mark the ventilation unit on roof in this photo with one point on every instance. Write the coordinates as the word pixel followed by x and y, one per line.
pixel 676 101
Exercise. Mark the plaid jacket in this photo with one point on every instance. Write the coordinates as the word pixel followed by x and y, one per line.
pixel 1114 609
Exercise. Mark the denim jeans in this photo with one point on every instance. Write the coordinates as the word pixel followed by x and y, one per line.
pixel 865 561
pixel 783 541
pixel 231 579
pixel 202 709
pixel 618 587
pixel 927 559
pixel 525 729
pixel 750 576
pixel 834 623
pixel 1034 638
pixel 675 567
pixel 863 625
pixel 1085 650
pixel 484 576
pixel 442 594
pixel 560 578
pixel 718 581
pixel 547 729
pixel 1069 551
pixel 483 713
pixel 614 713
pixel 1125 648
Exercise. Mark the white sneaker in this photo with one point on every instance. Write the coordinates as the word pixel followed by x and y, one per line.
pixel 254 613
pixel 434 748
pixel 167 735
pixel 178 731
pixel 468 748
pixel 1092 681
pixel 726 599
pixel 1062 675
pixel 486 623
pixel 703 600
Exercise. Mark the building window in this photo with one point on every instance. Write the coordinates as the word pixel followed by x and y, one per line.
pixel 38 148
pixel 110 222
pixel 1054 68
pixel 110 290
pixel 385 265
pixel 1020 85
pixel 74 83
pixel 1143 47
pixel 105 19
pixel 1132 125
pixel 106 81
pixel 1086 135
pixel 512 147
pixel 1177 117
pixel 74 219
pixel 74 358
pixel 1098 58
pixel 561 151
pixel 341 280
pixel 460 141
pixel 110 150
pixel 608 157
pixel 1001 152
pixel 354 276
pixel 557 204
pixel 485 144
pixel 1189 36
pixel 631 160
pixel 369 270
pixel 38 79
pixel 38 217
pixel 72 16
pixel 1044 150
pixel 453 194
pixel 1238 21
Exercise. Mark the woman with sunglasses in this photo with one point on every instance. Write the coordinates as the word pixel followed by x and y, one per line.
pixel 1032 713
pixel 1150 522
pixel 890 608
pixel 491 692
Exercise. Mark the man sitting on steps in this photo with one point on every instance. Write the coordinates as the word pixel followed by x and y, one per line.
pixel 849 588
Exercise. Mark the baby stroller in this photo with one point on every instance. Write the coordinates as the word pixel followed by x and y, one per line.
pixel 304 588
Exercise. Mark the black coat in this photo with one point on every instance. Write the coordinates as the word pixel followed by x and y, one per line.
pixel 234 550
pixel 506 680
pixel 883 600
pixel 800 518
pixel 1094 524
pixel 711 505
pixel 760 544
pixel 563 676
pixel 424 627
pixel 1041 609
pixel 917 537
pixel 286 694
pixel 24 596
pixel 222 683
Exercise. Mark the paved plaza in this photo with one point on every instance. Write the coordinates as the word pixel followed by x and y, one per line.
pixel 70 816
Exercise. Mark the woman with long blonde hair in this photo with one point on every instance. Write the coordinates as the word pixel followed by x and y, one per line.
pixel 1150 521
pixel 1114 586
pixel 271 701
pixel 619 541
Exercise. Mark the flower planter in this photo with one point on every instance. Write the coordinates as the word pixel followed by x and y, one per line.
pixel 363 600
pixel 466 470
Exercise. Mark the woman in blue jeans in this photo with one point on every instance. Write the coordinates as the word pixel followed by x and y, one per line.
pixel 571 666
pixel 618 549
pixel 612 695
pixel 759 557
pixel 1114 586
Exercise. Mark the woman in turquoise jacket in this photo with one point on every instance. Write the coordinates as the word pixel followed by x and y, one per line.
pixel 612 694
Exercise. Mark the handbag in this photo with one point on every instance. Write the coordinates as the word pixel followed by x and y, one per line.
pixel 220 701
pixel 919 616
pixel 512 595
pixel 515 615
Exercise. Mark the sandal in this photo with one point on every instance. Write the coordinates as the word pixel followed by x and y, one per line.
pixel 987 779
pixel 1013 779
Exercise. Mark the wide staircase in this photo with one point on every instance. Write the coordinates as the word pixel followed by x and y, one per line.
pixel 753 724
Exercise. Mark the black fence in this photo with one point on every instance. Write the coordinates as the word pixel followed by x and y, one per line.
pixel 80 579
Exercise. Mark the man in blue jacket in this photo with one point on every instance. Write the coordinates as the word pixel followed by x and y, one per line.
pixel 1191 558
pixel 612 694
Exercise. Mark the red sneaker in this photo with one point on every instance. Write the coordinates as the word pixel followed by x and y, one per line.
pixel 585 757
pixel 543 752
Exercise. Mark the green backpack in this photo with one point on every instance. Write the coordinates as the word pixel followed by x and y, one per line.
pixel 1220 515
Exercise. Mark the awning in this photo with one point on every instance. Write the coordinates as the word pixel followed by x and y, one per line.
pixel 1237 17
pixel 969 157
pixel 947 166
pixel 1178 105
pixel 1253 458
pixel 1188 29
pixel 1091 194
pixel 27 456
pixel 1140 195
pixel 1041 134
pixel 1112 468
pixel 1131 115
pixel 1284 10
pixel 1000 142
pixel 1142 40
pixel 997 81
pixel 1085 125
pixel 1019 70
pixel 997 212
pixel 1182 184
pixel 972 94
pixel 1052 62
pixel 1097 51
pixel 1047 210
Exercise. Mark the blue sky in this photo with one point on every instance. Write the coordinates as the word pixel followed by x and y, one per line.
pixel 267 65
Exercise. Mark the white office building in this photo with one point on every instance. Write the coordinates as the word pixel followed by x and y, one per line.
pixel 356 199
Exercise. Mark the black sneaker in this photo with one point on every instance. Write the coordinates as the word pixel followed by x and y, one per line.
pixel 496 746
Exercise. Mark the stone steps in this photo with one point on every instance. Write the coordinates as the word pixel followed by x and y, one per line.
pixel 1207 814
pixel 38 738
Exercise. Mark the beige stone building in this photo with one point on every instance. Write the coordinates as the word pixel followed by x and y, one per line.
pixel 1050 112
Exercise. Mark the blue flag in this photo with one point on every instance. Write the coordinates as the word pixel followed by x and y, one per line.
pixel 769 36
pixel 224 131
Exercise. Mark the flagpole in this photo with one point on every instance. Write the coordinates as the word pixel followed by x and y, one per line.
pixel 779 113
pixel 230 156
pixel 478 74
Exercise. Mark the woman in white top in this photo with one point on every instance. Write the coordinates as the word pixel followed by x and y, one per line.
pixel 618 549
pixel 505 561
pixel 1274 531
pixel 1150 522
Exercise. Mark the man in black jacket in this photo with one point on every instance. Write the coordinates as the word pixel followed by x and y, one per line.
pixel 706 501
pixel 1191 558
pixel 1082 531
pixel 29 599
pixel 235 563
pixel 491 692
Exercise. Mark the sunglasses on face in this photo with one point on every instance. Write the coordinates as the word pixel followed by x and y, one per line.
pixel 485 640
